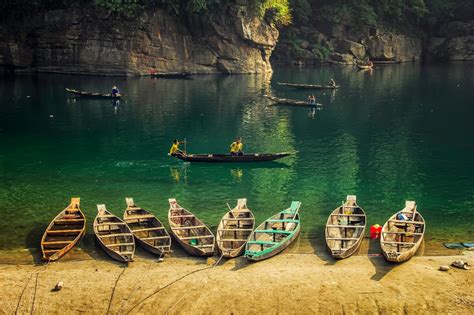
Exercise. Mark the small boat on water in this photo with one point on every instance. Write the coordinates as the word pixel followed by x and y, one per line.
pixel 286 101
pixel 402 234
pixel 310 86
pixel 364 67
pixel 345 229
pixel 148 231
pixel 171 75
pixel 234 230
pixel 93 95
pixel 114 235
pixel 190 232
pixel 220 158
pixel 274 234
pixel 64 232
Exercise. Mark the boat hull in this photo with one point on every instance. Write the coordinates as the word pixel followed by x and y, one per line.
pixel 311 86
pixel 227 158
pixel 279 249
pixel 83 94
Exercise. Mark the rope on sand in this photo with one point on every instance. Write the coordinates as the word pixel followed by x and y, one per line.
pixel 21 295
pixel 113 291
pixel 164 287
pixel 34 295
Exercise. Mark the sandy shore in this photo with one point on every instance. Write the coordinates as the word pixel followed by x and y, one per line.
pixel 289 283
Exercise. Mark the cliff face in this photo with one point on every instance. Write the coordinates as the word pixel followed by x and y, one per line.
pixel 338 43
pixel 452 41
pixel 87 42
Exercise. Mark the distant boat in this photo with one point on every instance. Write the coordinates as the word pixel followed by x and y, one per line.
pixel 234 230
pixel 345 229
pixel 149 232
pixel 114 235
pixel 310 86
pixel 171 75
pixel 401 238
pixel 285 101
pixel 93 95
pixel 274 234
pixel 64 232
pixel 221 158
pixel 364 67
pixel 190 232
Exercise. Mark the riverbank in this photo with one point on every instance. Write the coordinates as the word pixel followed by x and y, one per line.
pixel 290 282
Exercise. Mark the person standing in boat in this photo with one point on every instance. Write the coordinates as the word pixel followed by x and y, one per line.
pixel 236 147
pixel 174 150
pixel 332 82
pixel 115 91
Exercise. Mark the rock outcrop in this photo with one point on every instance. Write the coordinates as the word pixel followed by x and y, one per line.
pixel 453 41
pixel 344 44
pixel 88 42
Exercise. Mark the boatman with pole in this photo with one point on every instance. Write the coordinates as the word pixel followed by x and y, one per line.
pixel 236 147
pixel 174 150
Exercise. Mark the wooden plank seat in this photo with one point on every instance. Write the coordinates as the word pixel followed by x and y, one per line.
pixel 58 232
pixel 407 222
pixel 399 243
pixel 126 253
pixel 284 220
pixel 110 223
pixel 404 233
pixel 238 230
pixel 153 238
pixel 273 231
pixel 342 238
pixel 183 216
pixel 148 229
pixel 196 237
pixel 56 242
pixel 68 221
pixel 120 244
pixel 262 242
pixel 238 219
pixel 347 215
pixel 139 217
pixel 232 240
pixel 345 226
pixel 188 227
pixel 116 235
pixel 204 245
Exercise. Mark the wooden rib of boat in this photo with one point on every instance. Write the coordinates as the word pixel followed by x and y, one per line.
pixel 171 75
pixel 221 158
pixel 114 235
pixel 290 102
pixel 234 230
pixel 345 229
pixel 401 237
pixel 190 232
pixel 93 95
pixel 148 231
pixel 64 232
pixel 274 234
pixel 310 86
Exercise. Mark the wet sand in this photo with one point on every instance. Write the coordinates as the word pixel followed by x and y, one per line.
pixel 292 282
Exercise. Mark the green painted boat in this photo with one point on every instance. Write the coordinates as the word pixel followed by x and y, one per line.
pixel 274 234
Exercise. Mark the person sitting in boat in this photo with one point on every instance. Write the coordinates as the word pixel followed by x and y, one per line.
pixel 174 150
pixel 311 99
pixel 115 91
pixel 236 147
pixel 401 216
pixel 369 62
pixel 332 82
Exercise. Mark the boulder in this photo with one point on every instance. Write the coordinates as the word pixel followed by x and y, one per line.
pixel 347 46
pixel 393 47
pixel 342 58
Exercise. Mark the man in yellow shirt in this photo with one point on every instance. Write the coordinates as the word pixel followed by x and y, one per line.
pixel 236 147
pixel 174 150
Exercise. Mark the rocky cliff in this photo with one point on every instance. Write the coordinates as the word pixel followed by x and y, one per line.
pixel 452 41
pixel 89 42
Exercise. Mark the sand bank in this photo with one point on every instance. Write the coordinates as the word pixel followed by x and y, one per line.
pixel 288 283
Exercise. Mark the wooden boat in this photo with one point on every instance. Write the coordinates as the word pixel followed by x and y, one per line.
pixel 310 86
pixel 345 229
pixel 190 232
pixel 234 230
pixel 114 235
pixel 220 158
pixel 275 234
pixel 171 75
pixel 364 67
pixel 64 232
pixel 290 102
pixel 148 231
pixel 93 95
pixel 401 238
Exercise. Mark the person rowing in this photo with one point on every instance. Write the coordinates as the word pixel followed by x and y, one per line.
pixel 174 150
pixel 236 147
pixel 115 91
pixel 311 100
pixel 332 83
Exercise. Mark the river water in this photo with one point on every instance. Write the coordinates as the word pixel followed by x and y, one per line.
pixel 402 132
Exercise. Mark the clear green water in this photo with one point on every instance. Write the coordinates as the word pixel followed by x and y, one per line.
pixel 404 132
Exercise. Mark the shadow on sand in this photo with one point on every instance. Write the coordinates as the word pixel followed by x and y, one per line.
pixel 382 266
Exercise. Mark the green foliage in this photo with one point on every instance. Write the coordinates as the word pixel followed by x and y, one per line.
pixel 274 11
pixel 301 11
